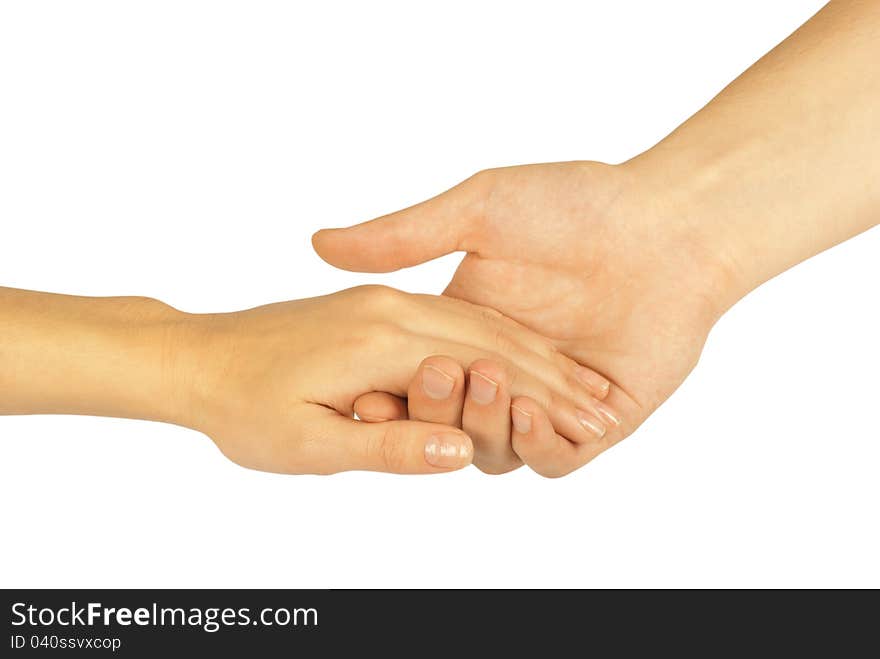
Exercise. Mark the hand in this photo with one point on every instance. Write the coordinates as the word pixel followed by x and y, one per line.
pixel 580 252
pixel 275 387
pixel 506 433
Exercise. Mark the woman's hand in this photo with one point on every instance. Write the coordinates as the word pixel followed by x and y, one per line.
pixel 275 387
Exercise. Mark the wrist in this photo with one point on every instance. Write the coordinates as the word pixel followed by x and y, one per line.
pixel 202 383
pixel 689 197
pixel 193 368
pixel 155 356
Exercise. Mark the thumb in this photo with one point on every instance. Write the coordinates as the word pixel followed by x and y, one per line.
pixel 428 230
pixel 399 447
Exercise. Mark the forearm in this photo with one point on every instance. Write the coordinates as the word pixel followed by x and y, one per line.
pixel 63 354
pixel 783 163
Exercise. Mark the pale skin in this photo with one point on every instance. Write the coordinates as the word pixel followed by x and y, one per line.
pixel 627 267
pixel 275 387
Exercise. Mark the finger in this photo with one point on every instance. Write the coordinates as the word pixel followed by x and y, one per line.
pixel 380 406
pixel 486 418
pixel 436 393
pixel 587 423
pixel 426 325
pixel 498 335
pixel 538 444
pixel 575 421
pixel 577 378
pixel 597 384
pixel 430 326
pixel 414 235
pixel 400 447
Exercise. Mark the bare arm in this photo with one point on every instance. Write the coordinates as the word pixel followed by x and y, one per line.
pixel 784 162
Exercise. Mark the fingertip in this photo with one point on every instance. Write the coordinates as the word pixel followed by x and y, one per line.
pixel 490 369
pixel 449 450
pixel 540 447
pixel 322 243
pixel 523 413
pixel 487 417
pixel 436 392
pixel 377 406
pixel 355 249
pixel 440 377
pixel 319 237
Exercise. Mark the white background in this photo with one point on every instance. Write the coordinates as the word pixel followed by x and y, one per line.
pixel 188 150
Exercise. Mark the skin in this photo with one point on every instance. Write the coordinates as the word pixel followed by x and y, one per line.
pixel 484 406
pixel 627 267
pixel 622 267
pixel 275 387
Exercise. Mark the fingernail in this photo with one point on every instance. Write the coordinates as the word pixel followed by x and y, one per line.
pixel 448 450
pixel 607 413
pixel 591 423
pixel 482 390
pixel 435 383
pixel 593 380
pixel 522 420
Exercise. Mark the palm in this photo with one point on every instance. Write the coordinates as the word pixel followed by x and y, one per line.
pixel 589 274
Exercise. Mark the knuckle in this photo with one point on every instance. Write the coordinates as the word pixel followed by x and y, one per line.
pixel 549 350
pixel 574 387
pixel 389 449
pixel 484 178
pixel 378 297
pixel 543 395
pixel 503 342
pixel 514 378
pixel 490 315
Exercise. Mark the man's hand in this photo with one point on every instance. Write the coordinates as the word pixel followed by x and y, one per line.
pixel 576 251
pixel 627 267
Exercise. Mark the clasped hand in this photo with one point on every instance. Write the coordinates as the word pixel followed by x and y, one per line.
pixel 575 252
